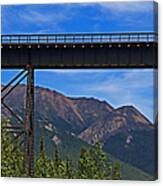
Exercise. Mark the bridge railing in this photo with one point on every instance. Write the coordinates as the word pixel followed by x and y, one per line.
pixel 79 38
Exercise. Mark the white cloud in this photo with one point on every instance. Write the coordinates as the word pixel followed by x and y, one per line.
pixel 123 7
pixel 131 88
pixel 39 16
pixel 130 81
pixel 49 20
pixel 129 13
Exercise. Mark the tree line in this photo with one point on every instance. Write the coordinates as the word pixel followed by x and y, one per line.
pixel 93 163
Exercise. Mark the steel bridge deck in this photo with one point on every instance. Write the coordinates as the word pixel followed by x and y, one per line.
pixel 98 50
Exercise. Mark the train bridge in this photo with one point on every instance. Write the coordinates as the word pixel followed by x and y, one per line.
pixel 52 51
pixel 116 50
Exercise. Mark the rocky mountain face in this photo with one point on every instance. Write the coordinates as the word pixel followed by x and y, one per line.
pixel 123 119
pixel 124 132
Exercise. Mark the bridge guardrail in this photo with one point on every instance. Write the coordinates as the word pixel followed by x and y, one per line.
pixel 79 38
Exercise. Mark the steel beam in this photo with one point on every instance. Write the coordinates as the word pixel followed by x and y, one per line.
pixel 29 123
pixel 12 81
pixel 27 126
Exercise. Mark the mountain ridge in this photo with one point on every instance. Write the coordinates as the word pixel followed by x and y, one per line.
pixel 90 119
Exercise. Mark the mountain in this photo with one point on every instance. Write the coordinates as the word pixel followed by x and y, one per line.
pixel 125 132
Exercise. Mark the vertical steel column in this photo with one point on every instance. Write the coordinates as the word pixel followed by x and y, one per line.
pixel 29 122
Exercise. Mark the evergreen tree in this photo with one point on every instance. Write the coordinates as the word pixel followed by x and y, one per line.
pixel 86 165
pixel 100 161
pixel 59 165
pixel 12 157
pixel 43 166
pixel 69 170
pixel 57 159
pixel 93 163
pixel 116 173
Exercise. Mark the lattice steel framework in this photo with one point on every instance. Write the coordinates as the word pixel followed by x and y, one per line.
pixel 25 125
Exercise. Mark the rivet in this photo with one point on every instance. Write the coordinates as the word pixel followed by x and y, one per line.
pixel 128 45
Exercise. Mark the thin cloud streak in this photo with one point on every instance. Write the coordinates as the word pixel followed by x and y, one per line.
pixel 123 7
pixel 77 17
pixel 131 88
pixel 132 79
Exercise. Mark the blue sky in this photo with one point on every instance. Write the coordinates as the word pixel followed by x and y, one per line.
pixel 118 87
pixel 81 17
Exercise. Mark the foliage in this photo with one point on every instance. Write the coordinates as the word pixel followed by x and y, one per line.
pixel 43 166
pixel 86 166
pixel 92 164
pixel 116 172
pixel 12 157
